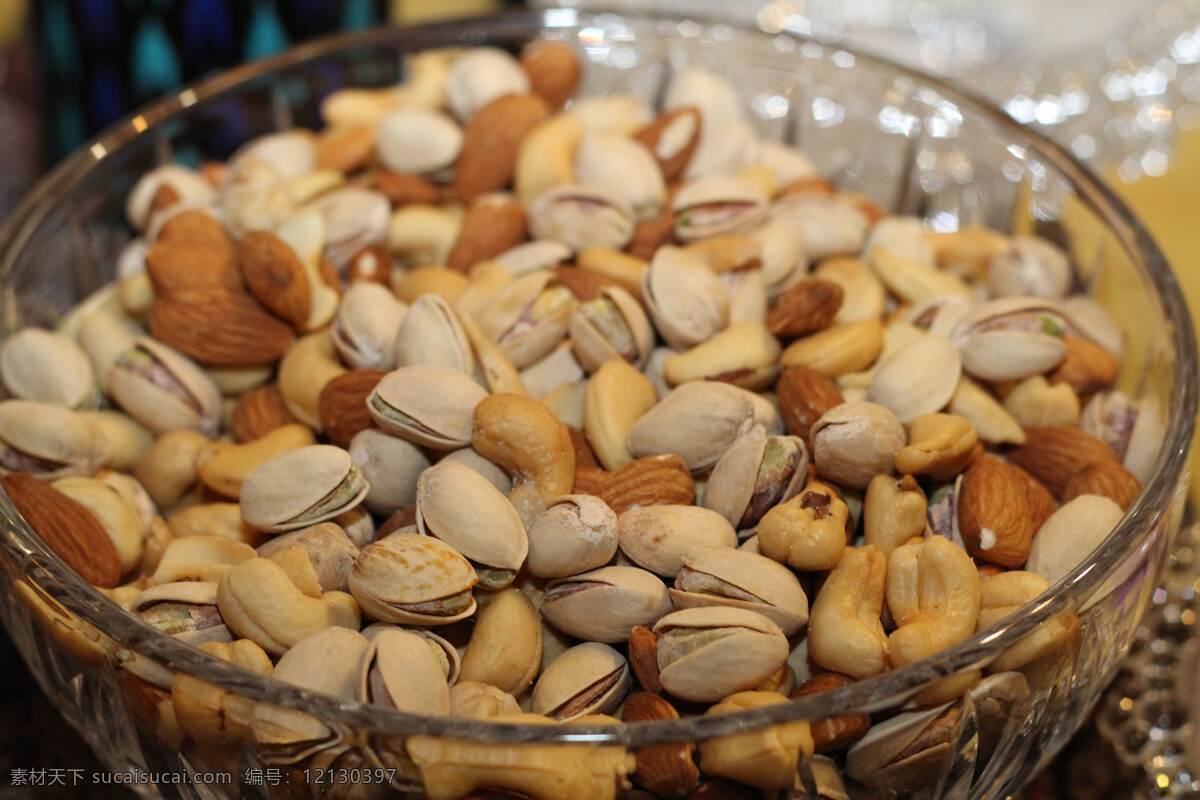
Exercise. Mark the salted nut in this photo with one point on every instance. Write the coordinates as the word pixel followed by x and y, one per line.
pixel 302 487
pixel 413 579
pixel 705 654
pixel 757 473
pixel 699 421
pixel 1011 338
pixel 186 610
pixel 575 533
pixel 723 576
pixel 659 537
pixel 590 678
pixel 398 671
pixel 529 317
pixel 613 325
pixel 604 605
pixel 47 440
pixel 429 406
pixel 365 328
pixel 163 389
pixel 48 367
pixel 685 299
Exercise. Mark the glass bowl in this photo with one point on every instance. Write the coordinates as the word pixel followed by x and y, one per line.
pixel 177 721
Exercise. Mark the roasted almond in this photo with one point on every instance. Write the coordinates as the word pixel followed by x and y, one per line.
pixel 807 307
pixel 584 455
pixel 164 198
pixel 372 263
pixel 650 481
pixel 993 513
pixel 174 264
pixel 666 770
pixel 583 283
pixel 1107 479
pixel 400 188
pixel 258 412
pixel 492 224
pixel 804 395
pixel 672 139
pixel 1040 500
pixel 491 140
pixel 589 479
pixel 832 733
pixel 346 149
pixel 650 234
pixel 1087 367
pixel 554 70
pixel 342 405
pixel 275 276
pixel 67 528
pixel 1052 454
pixel 218 327
pixel 643 658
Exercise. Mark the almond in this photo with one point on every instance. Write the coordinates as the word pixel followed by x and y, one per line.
pixel 807 307
pixel 346 149
pixel 832 733
pixel 400 188
pixel 491 225
pixel 584 455
pixel 666 770
pixel 650 234
pixel 1040 500
pixel 993 513
pixel 554 70
pixel 589 479
pixel 1106 479
pixel 672 139
pixel 643 658
pixel 174 264
pixel 372 263
pixel 1052 454
pixel 67 528
pixel 401 518
pixel 491 140
pixel 1087 367
pixel 342 405
pixel 164 197
pixel 585 284
pixel 258 412
pixel 199 228
pixel 650 481
pixel 275 276
pixel 804 395
pixel 218 327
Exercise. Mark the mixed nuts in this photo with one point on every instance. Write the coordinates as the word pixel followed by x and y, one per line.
pixel 497 402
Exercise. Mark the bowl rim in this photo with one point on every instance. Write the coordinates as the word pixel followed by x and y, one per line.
pixel 136 639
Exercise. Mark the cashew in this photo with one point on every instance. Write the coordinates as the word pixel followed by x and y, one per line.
pixel 169 468
pixel 807 532
pixel 209 714
pixel 526 440
pixel 259 602
pixel 505 650
pixel 939 445
pixel 231 464
pixel 217 519
pixel 304 370
pixel 200 558
pixel 1033 403
pixel 893 512
pixel 1002 596
pixel 844 630
pixel 617 395
pixel 546 157
pixel 498 371
pixel 933 593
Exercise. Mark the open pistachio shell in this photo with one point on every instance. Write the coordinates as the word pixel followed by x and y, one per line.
pixel 462 508
pixel 705 654
pixel 721 576
pixel 575 533
pixel 919 378
pixel 698 421
pixel 715 205
pixel 589 678
pixel 302 487
pixel 417 141
pixel 354 218
pixel 413 579
pixel 37 364
pixel 399 671
pixel 624 168
pixel 163 389
pixel 529 317
pixel 582 217
pixel 605 604
pixel 430 406
pixel 432 335
pixel 186 610
pixel 47 441
pixel 722 138
pixel 756 473
pixel 364 330
pixel 612 325
pixel 686 300
pixel 189 185
pixel 1011 338
pixel 1030 267
pixel 658 537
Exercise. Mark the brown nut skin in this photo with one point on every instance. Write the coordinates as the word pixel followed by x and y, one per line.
pixel 400 189
pixel 554 70
pixel 804 395
pixel 258 412
pixel 1053 454
pixel 643 658
pixel 832 733
pixel 1107 479
pixel 342 404
pixel 491 141
pixel 994 517
pixel 1087 368
pixel 666 770
pixel 807 307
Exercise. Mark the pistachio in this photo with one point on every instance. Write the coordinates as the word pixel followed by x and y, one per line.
pixel 390 465
pixel 430 406
pixel 47 441
pixel 301 487
pixel 417 141
pixel 413 579
pixel 659 537
pixel 624 168
pixel 590 678
pixel 431 335
pixel 355 219
pixel 907 751
pixel 186 184
pixel 329 549
pixel 575 533
pixel 755 474
pixel 715 205
pixel 612 325
pixel 479 76
pixel 854 442
pixel 1070 535
pixel 186 610
pixel 365 328
pixel 705 654
pixel 398 671
pixel 582 217
pixel 919 378
pixel 470 457
pixel 1011 338
pixel 1029 267
pixel 529 317
pixel 721 576
pixel 913 282
pixel 163 389
pixel 828 225
pixel 44 366
pixel 698 421
pixel 462 508
pixel 685 299
pixel 723 134
pixel 604 605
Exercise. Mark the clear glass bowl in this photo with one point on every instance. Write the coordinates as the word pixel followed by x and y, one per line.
pixel 914 145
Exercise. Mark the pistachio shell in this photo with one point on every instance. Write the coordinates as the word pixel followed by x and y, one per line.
pixel 187 184
pixel 163 389
pixel 685 299
pixel 658 537
pixel 714 205
pixel 1011 338
pixel 479 76
pixel 354 218
pixel 624 168
pixel 459 506
pixel 529 317
pixel 291 153
pixel 115 514
pixel 697 421
pixel 919 378
pixel 754 474
pixel 616 113
pixel 828 226
pixel 575 533
pixel 431 335
pixel 329 549
pixel 533 256
pixel 589 678
pixel 914 282
pixel 413 579
pixel 722 141
pixel 720 576
pixel 902 237
pixel 431 406
pixel 417 141
pixel 783 258
pixel 301 487
pixel 1094 322
pixel 582 217
pixel 399 671
pixel 611 326
pixel 855 441
pixel 186 610
pixel 47 441
pixel 705 654
pixel 364 331
pixel 603 605
pixel 390 465
pixel 105 337
pixel 37 364
pixel 1029 267
pixel 469 457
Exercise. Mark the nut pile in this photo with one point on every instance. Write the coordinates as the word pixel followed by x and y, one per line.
pixel 491 402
